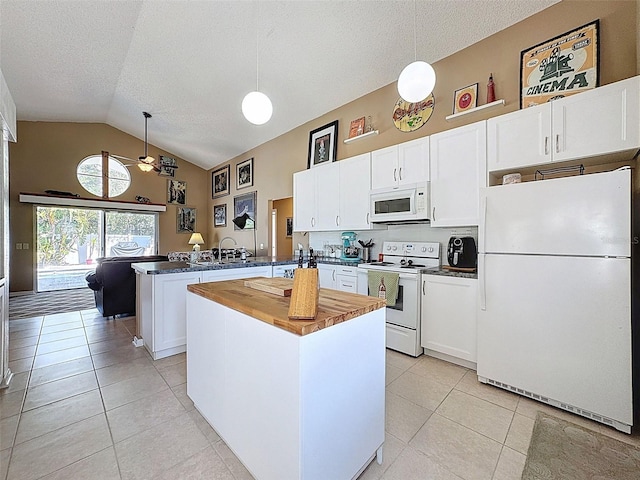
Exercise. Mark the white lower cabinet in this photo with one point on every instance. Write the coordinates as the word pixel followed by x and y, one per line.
pixel 162 305
pixel 162 310
pixel 338 277
pixel 449 313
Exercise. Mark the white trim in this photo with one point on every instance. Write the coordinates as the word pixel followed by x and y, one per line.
pixel 87 202
pixel 497 103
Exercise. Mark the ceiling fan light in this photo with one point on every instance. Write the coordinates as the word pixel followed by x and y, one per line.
pixel 145 167
pixel 257 108
pixel 416 81
pixel 148 159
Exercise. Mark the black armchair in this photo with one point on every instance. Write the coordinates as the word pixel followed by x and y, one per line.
pixel 114 284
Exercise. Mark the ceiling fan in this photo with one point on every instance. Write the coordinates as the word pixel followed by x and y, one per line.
pixel 145 162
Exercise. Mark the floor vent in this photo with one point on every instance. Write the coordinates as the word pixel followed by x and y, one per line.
pixel 564 406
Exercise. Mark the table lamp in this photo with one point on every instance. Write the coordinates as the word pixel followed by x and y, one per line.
pixel 196 240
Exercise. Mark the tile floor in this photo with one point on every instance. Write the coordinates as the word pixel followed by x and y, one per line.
pixel 86 404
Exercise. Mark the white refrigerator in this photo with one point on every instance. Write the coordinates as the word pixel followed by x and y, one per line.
pixel 555 293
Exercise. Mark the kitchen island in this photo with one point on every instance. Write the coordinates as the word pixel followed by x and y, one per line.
pixel 293 399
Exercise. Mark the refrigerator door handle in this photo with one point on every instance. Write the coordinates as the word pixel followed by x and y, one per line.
pixel 483 223
pixel 483 283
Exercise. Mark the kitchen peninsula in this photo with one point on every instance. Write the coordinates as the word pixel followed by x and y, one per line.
pixel 293 399
pixel 161 295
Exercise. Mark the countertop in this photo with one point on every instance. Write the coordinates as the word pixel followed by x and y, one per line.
pixel 449 273
pixel 155 268
pixel 333 306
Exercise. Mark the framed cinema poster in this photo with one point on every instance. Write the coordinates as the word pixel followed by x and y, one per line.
pixel 562 66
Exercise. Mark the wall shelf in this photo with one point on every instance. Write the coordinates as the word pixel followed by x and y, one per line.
pixel 359 137
pixel 497 103
pixel 45 199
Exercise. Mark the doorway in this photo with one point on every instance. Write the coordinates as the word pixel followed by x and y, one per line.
pixel 282 227
pixel 70 240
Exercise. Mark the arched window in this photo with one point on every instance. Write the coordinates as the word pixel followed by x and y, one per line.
pixel 89 175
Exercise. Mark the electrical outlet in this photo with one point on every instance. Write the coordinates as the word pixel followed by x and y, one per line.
pixel 18 246
pixel 25 246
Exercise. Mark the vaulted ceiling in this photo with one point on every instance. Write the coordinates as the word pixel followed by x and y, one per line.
pixel 190 63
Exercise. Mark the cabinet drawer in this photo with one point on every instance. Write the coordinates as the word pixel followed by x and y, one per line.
pixel 347 284
pixel 348 271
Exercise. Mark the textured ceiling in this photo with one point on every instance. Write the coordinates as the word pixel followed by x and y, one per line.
pixel 190 63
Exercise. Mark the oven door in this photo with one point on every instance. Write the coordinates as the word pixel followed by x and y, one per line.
pixel 405 312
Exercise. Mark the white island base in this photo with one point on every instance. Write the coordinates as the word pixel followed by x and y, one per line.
pixel 289 406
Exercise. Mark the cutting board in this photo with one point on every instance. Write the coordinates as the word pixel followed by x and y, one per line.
pixel 277 285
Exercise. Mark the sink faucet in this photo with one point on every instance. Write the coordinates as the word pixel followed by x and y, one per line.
pixel 220 246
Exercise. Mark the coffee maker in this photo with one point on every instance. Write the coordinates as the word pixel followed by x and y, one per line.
pixel 349 251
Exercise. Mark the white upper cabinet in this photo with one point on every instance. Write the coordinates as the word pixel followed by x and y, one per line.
pixel 401 164
pixel 333 196
pixel 596 122
pixel 355 183
pixel 458 171
pixel 304 200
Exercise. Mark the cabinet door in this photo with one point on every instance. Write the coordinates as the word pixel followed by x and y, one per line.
pixel 519 139
pixel 449 316
pixel 327 196
pixel 327 275
pixel 304 201
pixel 458 171
pixel 355 183
pixel 170 309
pixel 384 168
pixel 598 121
pixel 413 161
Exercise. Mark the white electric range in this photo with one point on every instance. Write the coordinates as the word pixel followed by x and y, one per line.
pixel 409 260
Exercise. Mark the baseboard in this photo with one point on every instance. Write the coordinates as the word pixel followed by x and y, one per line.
pixel 22 294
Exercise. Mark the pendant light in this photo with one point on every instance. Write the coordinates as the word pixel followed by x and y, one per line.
pixel 256 106
pixel 146 162
pixel 417 80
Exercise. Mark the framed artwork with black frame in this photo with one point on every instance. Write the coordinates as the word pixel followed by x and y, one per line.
pixel 245 203
pixel 323 145
pixel 220 185
pixel 562 66
pixel 186 220
pixel 244 174
pixel 176 192
pixel 220 215
pixel 167 166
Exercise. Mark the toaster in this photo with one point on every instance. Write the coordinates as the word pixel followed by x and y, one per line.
pixel 462 252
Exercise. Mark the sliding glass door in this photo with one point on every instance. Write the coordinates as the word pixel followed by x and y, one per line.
pixel 69 240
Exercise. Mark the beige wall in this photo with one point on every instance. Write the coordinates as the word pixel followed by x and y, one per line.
pixel 57 148
pixel 277 160
pixel 46 157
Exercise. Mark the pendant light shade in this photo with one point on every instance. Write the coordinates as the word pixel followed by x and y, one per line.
pixel 416 81
pixel 257 108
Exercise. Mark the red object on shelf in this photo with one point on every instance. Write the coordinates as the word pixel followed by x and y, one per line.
pixel 491 92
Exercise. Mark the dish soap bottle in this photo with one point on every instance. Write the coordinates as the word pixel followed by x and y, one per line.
pixel 382 290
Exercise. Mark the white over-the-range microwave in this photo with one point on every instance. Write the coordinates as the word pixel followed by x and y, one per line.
pixel 402 204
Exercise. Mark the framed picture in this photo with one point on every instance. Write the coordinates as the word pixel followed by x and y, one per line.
pixel 289 227
pixel 244 174
pixel 220 215
pixel 186 220
pixel 167 166
pixel 356 128
pixel 242 204
pixel 176 192
pixel 465 98
pixel 220 182
pixel 562 66
pixel 323 145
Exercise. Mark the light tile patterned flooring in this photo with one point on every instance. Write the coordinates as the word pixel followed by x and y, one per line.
pixel 86 404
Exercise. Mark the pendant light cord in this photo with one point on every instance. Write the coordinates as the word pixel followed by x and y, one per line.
pixel 415 31
pixel 257 49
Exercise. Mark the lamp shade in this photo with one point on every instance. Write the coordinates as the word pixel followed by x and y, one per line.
pixel 241 221
pixel 257 108
pixel 416 81
pixel 196 239
pixel 145 167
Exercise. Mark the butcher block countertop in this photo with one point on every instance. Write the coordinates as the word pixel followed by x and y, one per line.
pixel 333 306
